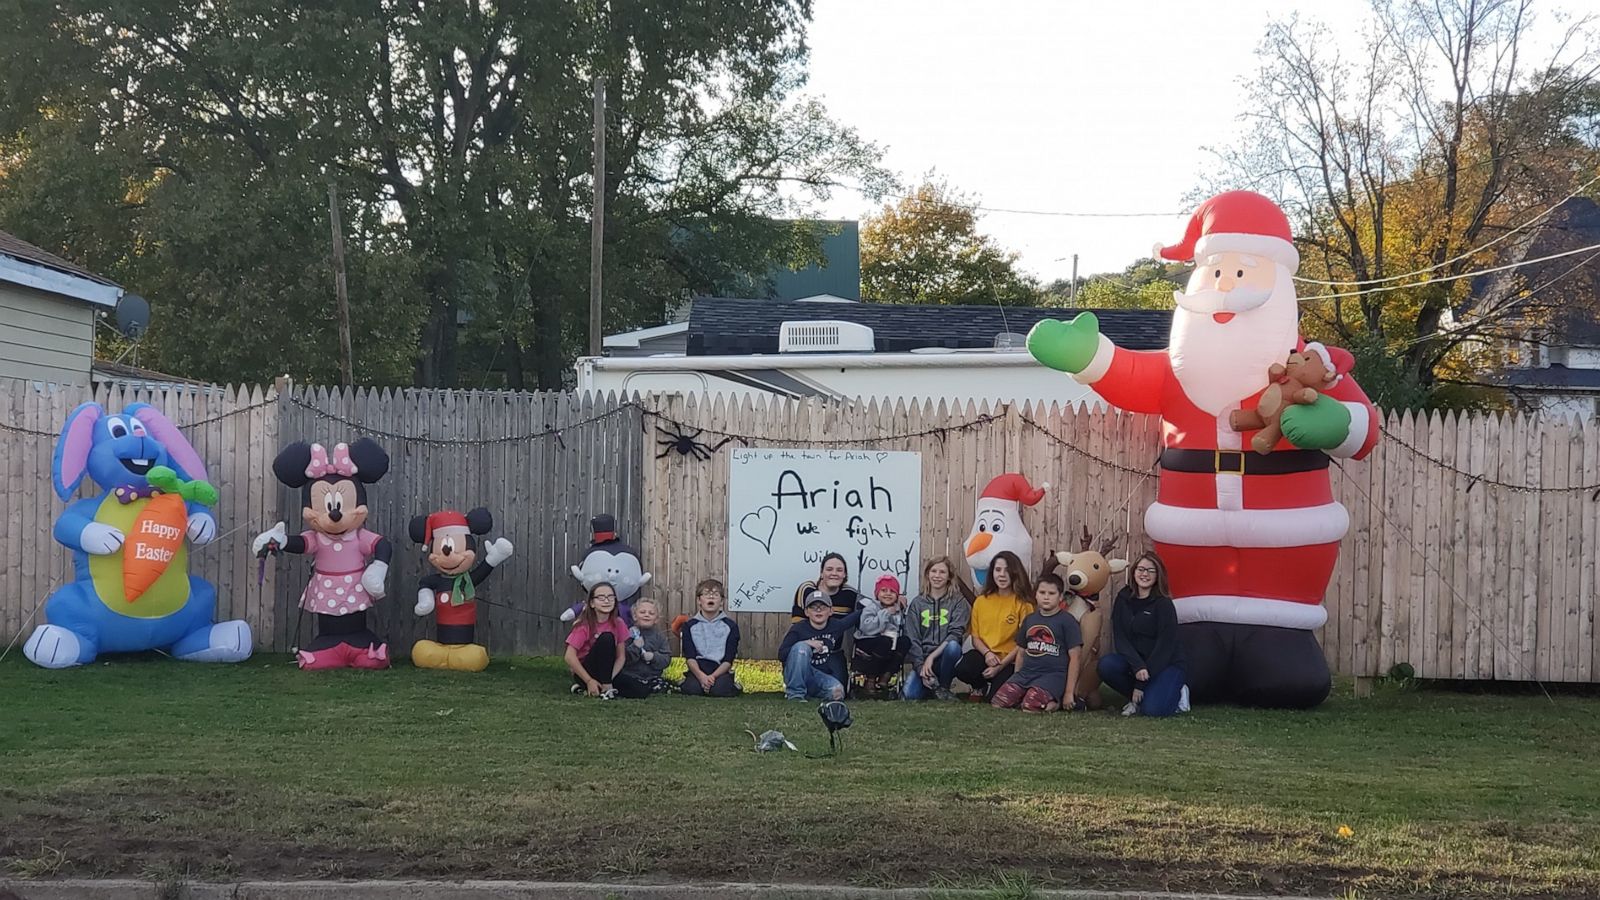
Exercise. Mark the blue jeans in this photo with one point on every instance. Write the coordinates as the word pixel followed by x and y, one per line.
pixel 1161 692
pixel 944 669
pixel 801 679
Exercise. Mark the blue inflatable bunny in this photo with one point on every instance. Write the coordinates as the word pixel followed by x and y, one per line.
pixel 159 605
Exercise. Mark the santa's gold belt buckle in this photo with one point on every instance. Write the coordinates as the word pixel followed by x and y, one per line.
pixel 1235 460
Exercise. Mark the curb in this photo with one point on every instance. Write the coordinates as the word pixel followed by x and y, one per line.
pixel 132 889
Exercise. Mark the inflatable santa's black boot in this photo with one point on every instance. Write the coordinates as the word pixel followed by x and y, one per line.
pixel 1254 665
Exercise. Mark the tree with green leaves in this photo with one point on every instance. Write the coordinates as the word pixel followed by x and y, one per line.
pixel 185 147
pixel 1406 167
pixel 926 248
pixel 1144 284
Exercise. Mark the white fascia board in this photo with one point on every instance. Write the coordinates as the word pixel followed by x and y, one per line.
pixel 54 281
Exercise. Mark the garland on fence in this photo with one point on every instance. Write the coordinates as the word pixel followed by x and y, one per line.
pixel 16 429
pixel 1593 490
pixel 682 438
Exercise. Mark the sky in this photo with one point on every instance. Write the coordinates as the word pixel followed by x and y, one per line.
pixel 1080 106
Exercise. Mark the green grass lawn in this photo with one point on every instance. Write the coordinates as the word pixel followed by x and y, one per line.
pixel 149 767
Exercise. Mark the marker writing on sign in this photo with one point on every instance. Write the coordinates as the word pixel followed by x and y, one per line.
pixel 822 496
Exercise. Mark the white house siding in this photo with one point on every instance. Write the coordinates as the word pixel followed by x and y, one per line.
pixel 45 337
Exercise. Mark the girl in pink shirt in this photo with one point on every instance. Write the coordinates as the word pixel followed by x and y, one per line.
pixel 594 648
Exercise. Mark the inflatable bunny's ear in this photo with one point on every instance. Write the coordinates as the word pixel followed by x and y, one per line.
pixel 71 461
pixel 179 451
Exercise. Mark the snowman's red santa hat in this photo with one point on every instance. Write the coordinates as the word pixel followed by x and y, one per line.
pixel 1240 222
pixel 1015 488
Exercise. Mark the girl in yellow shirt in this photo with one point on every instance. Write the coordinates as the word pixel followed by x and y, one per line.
pixel 996 616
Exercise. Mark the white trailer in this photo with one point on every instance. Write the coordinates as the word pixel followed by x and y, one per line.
pixel 955 376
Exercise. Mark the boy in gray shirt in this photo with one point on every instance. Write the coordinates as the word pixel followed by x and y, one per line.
pixel 648 654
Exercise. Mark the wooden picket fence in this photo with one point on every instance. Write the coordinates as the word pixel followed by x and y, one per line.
pixel 1471 552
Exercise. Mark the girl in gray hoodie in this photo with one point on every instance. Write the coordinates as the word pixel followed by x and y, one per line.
pixel 880 644
pixel 935 625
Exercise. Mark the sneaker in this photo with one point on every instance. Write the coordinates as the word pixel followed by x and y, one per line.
pixel 1183 699
pixel 977 697
pixel 1132 709
pixel 659 686
pixel 578 688
pixel 608 694
pixel 943 694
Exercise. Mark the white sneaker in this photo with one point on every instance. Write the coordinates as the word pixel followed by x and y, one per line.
pixel 1132 709
pixel 578 689
pixel 1183 699
pixel 608 694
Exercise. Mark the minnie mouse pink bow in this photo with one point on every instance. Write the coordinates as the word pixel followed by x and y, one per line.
pixel 320 466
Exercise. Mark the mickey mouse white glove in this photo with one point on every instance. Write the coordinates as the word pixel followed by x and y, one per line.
pixel 424 602
pixel 497 551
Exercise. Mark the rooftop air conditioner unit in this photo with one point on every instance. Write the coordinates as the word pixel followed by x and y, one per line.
pixel 825 336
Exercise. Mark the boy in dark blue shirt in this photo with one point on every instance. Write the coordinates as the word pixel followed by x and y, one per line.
pixel 812 652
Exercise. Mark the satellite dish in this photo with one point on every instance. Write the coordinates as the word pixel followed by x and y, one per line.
pixel 133 315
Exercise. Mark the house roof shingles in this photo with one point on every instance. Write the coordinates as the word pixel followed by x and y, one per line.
pixel 17 248
pixel 721 326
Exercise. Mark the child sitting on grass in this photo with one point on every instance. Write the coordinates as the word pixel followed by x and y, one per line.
pixel 594 648
pixel 879 650
pixel 710 644
pixel 648 654
pixel 1047 645
pixel 813 664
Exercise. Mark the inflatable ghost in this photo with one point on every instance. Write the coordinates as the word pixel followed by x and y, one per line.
pixel 1249 539
pixel 612 561
pixel 998 524
pixel 132 589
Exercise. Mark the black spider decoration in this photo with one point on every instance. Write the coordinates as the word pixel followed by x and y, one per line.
pixel 687 444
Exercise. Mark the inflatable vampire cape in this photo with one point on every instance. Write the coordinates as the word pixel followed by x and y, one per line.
pixel 612 561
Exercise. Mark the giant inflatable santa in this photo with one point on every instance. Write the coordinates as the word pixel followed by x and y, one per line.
pixel 1249 539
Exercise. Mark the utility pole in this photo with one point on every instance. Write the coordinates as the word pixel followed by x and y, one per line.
pixel 1072 295
pixel 346 363
pixel 598 219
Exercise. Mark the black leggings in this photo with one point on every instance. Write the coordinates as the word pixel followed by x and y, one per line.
pixel 722 687
pixel 602 659
pixel 631 687
pixel 970 670
pixel 875 656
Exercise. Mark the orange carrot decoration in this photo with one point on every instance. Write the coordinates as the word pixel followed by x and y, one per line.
pixel 158 533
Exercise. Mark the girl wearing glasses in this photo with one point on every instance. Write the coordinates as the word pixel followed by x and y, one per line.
pixel 1147 666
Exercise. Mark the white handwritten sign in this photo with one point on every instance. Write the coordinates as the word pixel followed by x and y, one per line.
pixel 788 508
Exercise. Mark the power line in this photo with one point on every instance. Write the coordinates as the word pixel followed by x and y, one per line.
pixel 1448 278
pixel 1473 252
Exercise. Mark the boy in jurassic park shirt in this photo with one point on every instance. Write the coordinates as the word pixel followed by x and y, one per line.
pixel 1046 655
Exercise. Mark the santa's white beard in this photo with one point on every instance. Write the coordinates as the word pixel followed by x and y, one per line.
pixel 1221 364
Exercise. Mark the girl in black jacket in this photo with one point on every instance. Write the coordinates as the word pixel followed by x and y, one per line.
pixel 1147 666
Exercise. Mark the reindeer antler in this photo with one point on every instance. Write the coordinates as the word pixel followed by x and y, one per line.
pixel 1107 545
pixel 1087 539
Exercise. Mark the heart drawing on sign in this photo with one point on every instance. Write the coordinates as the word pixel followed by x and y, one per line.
pixel 760 526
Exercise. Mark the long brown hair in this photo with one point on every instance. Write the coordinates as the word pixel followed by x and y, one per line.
pixel 588 616
pixel 956 581
pixel 1160 587
pixel 1020 585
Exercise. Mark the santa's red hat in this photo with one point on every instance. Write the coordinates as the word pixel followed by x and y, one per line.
pixel 1015 488
pixel 1237 221
pixel 443 519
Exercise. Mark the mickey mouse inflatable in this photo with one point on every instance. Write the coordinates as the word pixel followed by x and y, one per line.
pixel 349 563
pixel 449 593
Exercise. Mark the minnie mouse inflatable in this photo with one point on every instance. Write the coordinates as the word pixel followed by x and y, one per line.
pixel 344 584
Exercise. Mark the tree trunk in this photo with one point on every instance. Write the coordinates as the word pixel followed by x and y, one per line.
pixel 547 354
pixel 436 364
pixel 513 354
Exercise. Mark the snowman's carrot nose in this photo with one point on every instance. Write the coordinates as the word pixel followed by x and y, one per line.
pixel 979 542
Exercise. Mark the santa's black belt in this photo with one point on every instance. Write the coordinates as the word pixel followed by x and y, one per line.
pixel 1242 462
